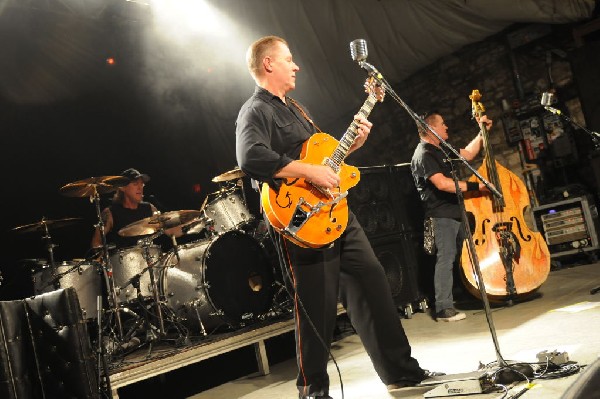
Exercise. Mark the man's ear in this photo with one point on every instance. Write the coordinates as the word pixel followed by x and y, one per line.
pixel 267 64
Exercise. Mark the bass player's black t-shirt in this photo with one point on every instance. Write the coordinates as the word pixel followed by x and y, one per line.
pixel 428 160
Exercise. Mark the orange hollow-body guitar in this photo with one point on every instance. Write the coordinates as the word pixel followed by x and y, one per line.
pixel 308 215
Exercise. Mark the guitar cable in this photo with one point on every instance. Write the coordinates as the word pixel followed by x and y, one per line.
pixel 286 266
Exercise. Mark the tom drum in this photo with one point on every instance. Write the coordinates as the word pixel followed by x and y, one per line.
pixel 126 263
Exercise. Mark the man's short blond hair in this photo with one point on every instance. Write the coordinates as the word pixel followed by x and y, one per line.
pixel 428 118
pixel 257 52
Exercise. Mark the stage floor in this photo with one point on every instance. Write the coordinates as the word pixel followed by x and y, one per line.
pixel 565 317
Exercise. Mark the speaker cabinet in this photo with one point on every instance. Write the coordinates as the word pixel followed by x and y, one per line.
pixel 399 254
pixel 386 201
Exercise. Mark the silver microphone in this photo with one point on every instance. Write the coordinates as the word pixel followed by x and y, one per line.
pixel 547 99
pixel 358 50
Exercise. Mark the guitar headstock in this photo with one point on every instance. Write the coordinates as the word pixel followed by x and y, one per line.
pixel 373 86
pixel 477 107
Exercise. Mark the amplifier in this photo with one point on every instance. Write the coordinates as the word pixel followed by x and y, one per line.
pixel 568 226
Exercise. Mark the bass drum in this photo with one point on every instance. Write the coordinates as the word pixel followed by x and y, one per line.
pixel 226 280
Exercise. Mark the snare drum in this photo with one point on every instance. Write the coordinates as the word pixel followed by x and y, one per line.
pixel 224 280
pixel 128 262
pixel 82 276
pixel 227 212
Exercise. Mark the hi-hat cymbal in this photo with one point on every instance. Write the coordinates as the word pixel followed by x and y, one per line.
pixel 235 173
pixel 162 221
pixel 92 185
pixel 42 224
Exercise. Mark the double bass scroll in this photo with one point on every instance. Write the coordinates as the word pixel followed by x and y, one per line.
pixel 514 259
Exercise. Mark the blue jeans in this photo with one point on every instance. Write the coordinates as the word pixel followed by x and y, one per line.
pixel 448 240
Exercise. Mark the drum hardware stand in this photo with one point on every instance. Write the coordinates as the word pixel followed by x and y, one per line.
pixel 50 248
pixel 146 242
pixel 135 282
pixel 105 268
pixel 100 358
pixel 202 329
pixel 280 307
pixel 151 335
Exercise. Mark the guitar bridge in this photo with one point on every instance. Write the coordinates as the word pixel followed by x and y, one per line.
pixel 302 215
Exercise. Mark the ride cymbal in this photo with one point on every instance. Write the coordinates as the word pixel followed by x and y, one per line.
pixel 162 221
pixel 43 224
pixel 229 175
pixel 90 186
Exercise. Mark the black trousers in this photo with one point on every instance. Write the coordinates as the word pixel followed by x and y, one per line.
pixel 351 268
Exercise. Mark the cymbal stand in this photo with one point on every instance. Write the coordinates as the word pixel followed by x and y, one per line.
pixel 145 243
pixel 50 248
pixel 106 268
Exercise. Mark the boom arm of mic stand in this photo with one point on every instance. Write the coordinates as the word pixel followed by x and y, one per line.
pixel 595 135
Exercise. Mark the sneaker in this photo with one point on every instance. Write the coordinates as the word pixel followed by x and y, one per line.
pixel 449 314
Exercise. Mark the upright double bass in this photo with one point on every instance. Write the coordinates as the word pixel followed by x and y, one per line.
pixel 514 260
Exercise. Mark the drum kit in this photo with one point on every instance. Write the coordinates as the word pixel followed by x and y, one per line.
pixel 223 279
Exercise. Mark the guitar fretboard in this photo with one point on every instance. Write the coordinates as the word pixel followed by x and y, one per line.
pixel 341 151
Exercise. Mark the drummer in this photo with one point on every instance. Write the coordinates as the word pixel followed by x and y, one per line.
pixel 127 207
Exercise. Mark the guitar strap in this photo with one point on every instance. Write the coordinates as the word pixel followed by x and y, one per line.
pixel 304 114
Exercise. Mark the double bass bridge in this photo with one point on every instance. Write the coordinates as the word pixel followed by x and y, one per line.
pixel 510 248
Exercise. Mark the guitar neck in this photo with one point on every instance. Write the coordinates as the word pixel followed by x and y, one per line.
pixel 341 151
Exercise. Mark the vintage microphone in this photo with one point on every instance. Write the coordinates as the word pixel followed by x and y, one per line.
pixel 359 54
pixel 547 100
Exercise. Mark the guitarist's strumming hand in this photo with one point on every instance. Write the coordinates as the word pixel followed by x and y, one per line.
pixel 318 175
pixel 364 128
pixel 322 176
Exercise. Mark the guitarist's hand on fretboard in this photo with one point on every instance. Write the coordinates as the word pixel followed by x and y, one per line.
pixel 363 128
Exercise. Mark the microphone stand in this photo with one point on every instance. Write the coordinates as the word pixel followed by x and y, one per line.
pixel 594 135
pixel 468 235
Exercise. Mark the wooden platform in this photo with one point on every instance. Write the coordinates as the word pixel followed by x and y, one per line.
pixel 164 358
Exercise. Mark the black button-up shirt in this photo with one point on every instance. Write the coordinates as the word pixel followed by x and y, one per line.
pixel 269 135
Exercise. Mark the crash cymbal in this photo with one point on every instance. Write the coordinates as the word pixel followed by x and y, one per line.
pixel 230 175
pixel 100 185
pixel 162 221
pixel 42 224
